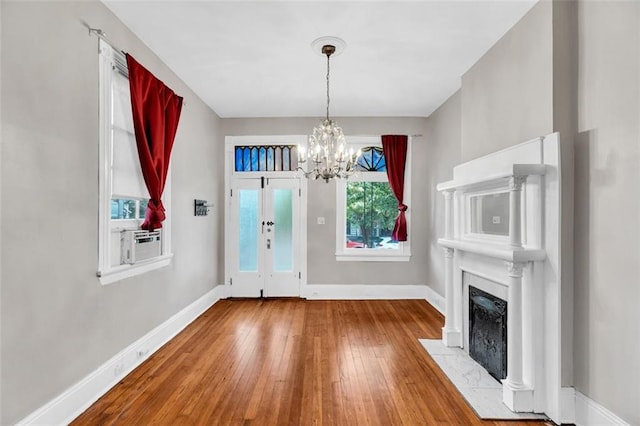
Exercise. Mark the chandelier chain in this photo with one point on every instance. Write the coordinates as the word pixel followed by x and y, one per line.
pixel 328 154
pixel 328 98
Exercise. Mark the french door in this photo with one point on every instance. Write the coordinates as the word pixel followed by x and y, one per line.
pixel 264 237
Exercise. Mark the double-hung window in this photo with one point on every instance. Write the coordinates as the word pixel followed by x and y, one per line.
pixel 123 194
pixel 366 208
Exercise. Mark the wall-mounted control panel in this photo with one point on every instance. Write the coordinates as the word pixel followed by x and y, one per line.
pixel 201 207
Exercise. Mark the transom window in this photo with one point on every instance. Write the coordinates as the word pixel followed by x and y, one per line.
pixel 372 160
pixel 266 158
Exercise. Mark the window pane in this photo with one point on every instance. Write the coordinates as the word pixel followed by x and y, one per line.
pixel 283 230
pixel 263 158
pixel 248 235
pixel 239 165
pixel 254 159
pixel 143 209
pixel 123 208
pixel 371 212
pixel 372 160
pixel 278 159
pixel 270 165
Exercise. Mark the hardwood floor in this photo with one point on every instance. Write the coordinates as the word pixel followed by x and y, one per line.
pixel 293 362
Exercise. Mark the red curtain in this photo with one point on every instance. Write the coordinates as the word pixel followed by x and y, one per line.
pixel 395 154
pixel 156 112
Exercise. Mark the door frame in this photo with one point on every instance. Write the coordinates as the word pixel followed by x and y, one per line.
pixel 230 174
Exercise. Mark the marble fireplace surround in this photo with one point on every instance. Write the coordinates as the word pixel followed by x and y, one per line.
pixel 522 267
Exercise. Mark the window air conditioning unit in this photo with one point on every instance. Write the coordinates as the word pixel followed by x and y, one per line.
pixel 139 245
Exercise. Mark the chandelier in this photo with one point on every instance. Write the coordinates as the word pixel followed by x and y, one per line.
pixel 327 153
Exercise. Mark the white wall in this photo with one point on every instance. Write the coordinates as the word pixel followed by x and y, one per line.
pixel 322 265
pixel 58 323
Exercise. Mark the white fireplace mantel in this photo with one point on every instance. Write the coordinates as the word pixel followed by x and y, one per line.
pixel 522 260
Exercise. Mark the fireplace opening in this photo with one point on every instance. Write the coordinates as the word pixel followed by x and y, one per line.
pixel 488 332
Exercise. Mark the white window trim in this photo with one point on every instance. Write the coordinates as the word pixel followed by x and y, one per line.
pixel 106 273
pixel 403 253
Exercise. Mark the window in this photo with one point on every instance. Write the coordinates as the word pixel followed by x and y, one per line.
pixel 265 158
pixel 123 194
pixel 367 209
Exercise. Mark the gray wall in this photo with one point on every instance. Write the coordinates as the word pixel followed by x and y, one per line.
pixel 507 95
pixel 322 265
pixel 443 139
pixel 607 230
pixel 58 323
pixel 572 67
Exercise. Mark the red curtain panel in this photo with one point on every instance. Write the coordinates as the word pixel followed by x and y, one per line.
pixel 395 154
pixel 156 112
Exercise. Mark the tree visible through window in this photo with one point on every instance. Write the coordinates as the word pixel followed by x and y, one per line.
pixel 371 212
pixel 371 205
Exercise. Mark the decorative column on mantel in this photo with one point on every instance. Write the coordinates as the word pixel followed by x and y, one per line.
pixel 515 394
pixel 515 222
pixel 451 332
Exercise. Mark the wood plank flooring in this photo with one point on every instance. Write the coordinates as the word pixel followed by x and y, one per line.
pixel 293 362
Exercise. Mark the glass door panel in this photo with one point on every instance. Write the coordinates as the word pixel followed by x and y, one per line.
pixel 282 204
pixel 283 230
pixel 248 231
pixel 265 248
pixel 246 245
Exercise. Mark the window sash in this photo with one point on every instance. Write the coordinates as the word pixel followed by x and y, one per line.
pixel 118 154
pixel 343 253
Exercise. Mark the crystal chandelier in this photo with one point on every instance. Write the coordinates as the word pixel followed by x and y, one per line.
pixel 327 147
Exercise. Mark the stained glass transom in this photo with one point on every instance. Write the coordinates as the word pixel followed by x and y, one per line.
pixel 372 160
pixel 266 158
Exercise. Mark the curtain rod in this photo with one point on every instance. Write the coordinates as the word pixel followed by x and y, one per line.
pixel 102 35
pixel 417 135
pixel 98 32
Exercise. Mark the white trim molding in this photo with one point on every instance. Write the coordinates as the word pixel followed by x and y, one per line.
pixel 75 400
pixel 589 413
pixel 435 299
pixel 363 291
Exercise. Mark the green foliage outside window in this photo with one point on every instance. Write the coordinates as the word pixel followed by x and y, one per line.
pixel 371 211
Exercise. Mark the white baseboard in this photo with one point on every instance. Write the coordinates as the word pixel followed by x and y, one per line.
pixel 567 405
pixel 75 400
pixel 435 300
pixel 590 413
pixel 362 291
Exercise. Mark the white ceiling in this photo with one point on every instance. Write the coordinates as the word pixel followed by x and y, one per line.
pixel 254 59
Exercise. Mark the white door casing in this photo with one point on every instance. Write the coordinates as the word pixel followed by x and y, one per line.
pixel 265 227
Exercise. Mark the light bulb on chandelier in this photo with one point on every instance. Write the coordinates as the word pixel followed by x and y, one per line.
pixel 327 146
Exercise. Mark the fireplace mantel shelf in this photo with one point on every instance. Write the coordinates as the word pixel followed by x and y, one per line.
pixel 498 251
pixel 512 170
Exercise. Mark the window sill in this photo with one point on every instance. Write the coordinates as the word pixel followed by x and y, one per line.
pixel 121 272
pixel 373 257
